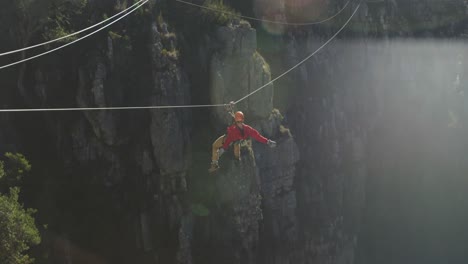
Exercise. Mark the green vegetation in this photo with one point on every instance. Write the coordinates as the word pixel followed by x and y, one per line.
pixel 266 66
pixel 200 210
pixel 168 39
pixel 114 35
pixel 58 32
pixel 121 40
pixel 12 170
pixel 60 19
pixel 17 228
pixel 25 22
pixel 225 15
pixel 169 35
pixel 170 53
pixel 160 18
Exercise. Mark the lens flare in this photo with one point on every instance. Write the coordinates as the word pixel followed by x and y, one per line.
pixel 271 10
pixel 288 11
pixel 306 10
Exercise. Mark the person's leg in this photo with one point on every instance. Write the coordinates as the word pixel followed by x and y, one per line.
pixel 216 145
pixel 214 156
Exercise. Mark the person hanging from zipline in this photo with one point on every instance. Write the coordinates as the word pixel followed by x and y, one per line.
pixel 234 135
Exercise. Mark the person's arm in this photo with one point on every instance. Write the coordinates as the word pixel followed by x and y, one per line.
pixel 256 135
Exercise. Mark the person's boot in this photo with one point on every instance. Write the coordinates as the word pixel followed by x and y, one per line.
pixel 214 166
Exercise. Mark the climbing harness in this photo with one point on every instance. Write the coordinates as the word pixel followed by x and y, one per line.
pixel 76 40
pixel 244 142
pixel 72 34
pixel 265 20
pixel 168 106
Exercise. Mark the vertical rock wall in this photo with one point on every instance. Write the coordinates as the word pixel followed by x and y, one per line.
pixel 113 186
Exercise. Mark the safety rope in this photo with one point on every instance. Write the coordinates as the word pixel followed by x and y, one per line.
pixel 186 106
pixel 110 108
pixel 265 20
pixel 70 35
pixel 76 40
pixel 304 60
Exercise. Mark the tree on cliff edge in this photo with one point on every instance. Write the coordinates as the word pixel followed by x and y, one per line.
pixel 17 228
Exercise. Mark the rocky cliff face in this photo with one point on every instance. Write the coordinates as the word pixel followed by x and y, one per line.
pixel 238 69
pixel 123 170
pixel 253 197
pixel 132 186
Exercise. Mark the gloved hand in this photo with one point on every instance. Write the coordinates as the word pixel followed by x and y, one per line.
pixel 220 152
pixel 271 143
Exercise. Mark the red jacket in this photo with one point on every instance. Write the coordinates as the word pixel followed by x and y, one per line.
pixel 234 133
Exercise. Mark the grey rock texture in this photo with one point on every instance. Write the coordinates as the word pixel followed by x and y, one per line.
pixel 262 181
pixel 117 185
pixel 240 200
pixel 91 93
pixel 130 164
pixel 277 169
pixel 169 132
pixel 260 184
pixel 168 128
pixel 237 69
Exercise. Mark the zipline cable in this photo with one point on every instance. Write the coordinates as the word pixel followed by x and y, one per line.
pixel 76 40
pixel 265 20
pixel 304 60
pixel 184 106
pixel 70 35
pixel 110 108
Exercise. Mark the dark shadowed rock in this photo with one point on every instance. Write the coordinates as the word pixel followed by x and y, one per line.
pixel 239 207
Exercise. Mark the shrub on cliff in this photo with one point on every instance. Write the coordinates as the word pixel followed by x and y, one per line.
pixel 222 17
pixel 17 228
